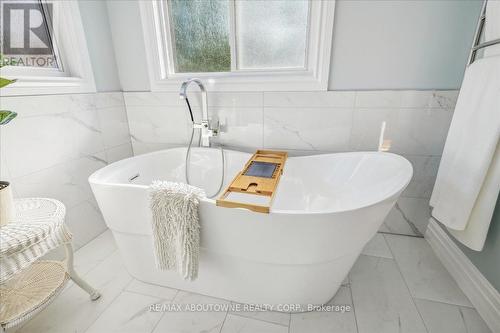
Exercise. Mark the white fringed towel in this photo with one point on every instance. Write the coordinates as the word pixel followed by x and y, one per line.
pixel 469 153
pixel 176 228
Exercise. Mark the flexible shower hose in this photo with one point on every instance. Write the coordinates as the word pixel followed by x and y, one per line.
pixel 188 154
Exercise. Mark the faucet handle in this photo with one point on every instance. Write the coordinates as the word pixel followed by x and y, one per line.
pixel 214 126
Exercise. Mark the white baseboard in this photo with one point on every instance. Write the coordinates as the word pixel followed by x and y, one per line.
pixel 480 292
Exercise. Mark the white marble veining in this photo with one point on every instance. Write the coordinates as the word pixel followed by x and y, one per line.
pixel 410 131
pixel 119 153
pixel 377 247
pixel 187 321
pixel 327 321
pixel 129 313
pixel 72 311
pixel 448 318
pixel 378 99
pixel 421 131
pixel 416 124
pixel 34 143
pixel 407 99
pixel 114 126
pixel 367 125
pixel 424 175
pixel 139 287
pixel 140 147
pixel 443 99
pixel 235 99
pixel 66 181
pixel 27 106
pixel 240 126
pixel 409 216
pixel 310 99
pixel 473 321
pixel 239 324
pixel 377 293
pixel 162 119
pixel 93 253
pixel 425 275
pixel 56 142
pixel 59 140
pixel 85 221
pixel 215 99
pixel 381 299
pixel 159 124
pixel 275 317
pixel 326 129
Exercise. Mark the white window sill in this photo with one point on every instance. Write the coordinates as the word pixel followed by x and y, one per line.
pixel 33 85
pixel 247 81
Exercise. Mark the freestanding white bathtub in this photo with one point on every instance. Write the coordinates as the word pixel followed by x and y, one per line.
pixel 326 209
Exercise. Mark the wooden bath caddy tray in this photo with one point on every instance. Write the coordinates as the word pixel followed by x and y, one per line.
pixel 257 183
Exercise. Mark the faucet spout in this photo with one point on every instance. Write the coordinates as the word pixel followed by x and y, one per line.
pixel 207 131
pixel 204 99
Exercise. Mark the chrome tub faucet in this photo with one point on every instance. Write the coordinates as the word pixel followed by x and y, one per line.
pixel 208 129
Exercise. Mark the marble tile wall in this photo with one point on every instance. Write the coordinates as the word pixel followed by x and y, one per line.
pixel 54 145
pixel 58 141
pixel 416 125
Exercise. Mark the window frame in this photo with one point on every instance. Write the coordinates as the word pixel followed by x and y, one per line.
pixel 71 52
pixel 314 77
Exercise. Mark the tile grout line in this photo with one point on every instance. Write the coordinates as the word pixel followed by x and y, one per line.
pixel 90 270
pixel 143 294
pixel 289 322
pixel 406 284
pixel 353 306
pixel 257 319
pixel 408 221
pixel 398 234
pixel 106 307
pixel 446 303
pixel 223 322
pixel 162 315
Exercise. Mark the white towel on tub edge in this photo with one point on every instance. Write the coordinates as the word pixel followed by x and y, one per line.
pixel 176 227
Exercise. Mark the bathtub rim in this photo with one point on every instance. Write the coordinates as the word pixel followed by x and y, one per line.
pixel 94 179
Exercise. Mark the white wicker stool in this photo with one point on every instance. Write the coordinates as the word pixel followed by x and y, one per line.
pixel 27 284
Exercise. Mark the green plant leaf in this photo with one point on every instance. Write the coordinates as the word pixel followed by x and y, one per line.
pixel 5 82
pixel 6 116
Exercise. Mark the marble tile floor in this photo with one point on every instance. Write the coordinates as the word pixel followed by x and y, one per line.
pixel 396 285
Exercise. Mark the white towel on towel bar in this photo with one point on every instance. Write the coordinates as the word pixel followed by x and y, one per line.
pixel 176 228
pixel 476 231
pixel 470 149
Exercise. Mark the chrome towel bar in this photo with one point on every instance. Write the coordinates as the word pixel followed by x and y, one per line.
pixel 476 45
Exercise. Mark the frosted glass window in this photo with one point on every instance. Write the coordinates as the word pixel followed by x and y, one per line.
pixel 271 34
pixel 200 34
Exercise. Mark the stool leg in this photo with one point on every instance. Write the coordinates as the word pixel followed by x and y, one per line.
pixel 94 294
